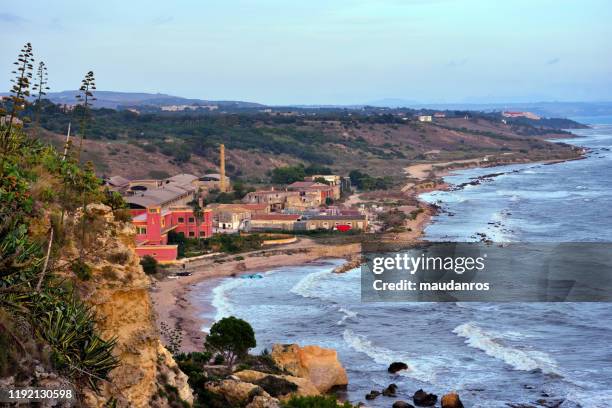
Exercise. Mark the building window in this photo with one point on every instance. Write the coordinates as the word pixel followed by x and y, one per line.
pixel 181 220
pixel 202 233
pixel 141 230
pixel 153 210
pixel 191 233
pixel 191 220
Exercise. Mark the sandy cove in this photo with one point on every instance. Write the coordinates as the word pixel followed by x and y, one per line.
pixel 171 296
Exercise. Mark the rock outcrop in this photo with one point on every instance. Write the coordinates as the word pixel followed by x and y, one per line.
pixel 319 365
pixel 118 292
pixel 303 386
pixel 236 393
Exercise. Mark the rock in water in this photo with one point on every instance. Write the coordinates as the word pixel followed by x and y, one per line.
pixel 402 404
pixel 319 365
pixel 397 366
pixel 390 391
pixel 373 394
pixel 424 399
pixel 451 400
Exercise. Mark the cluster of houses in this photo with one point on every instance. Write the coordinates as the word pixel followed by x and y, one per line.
pixel 159 207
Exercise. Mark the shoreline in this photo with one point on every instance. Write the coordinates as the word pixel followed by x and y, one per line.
pixel 172 298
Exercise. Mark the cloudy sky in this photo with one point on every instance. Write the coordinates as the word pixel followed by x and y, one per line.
pixel 322 51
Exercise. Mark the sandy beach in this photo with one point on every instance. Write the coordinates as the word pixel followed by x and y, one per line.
pixel 171 296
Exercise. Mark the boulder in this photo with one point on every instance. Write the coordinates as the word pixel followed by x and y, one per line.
pixel 236 393
pixel 424 399
pixel 264 402
pixel 451 400
pixel 276 386
pixel 317 364
pixel 397 366
pixel 372 394
pixel 401 404
pixel 304 387
pixel 390 391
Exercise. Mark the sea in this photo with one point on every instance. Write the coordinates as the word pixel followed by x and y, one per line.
pixel 492 354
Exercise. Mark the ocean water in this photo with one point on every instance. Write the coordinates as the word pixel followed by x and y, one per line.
pixel 491 354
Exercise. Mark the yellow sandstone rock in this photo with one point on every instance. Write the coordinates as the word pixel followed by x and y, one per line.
pixel 317 364
pixel 118 292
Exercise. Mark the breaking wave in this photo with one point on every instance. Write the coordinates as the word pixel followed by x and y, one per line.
pixel 491 344
pixel 384 356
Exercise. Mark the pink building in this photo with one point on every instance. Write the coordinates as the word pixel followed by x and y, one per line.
pixel 158 211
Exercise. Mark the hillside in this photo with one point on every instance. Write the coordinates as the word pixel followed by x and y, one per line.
pixel 154 145
pixel 114 100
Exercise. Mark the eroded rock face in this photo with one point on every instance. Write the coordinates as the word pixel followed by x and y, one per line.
pixel 264 402
pixel 317 364
pixel 118 292
pixel 237 393
pixel 305 388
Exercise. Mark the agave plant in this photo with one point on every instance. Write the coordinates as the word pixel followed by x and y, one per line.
pixel 68 326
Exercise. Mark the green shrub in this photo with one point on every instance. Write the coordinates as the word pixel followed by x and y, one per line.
pixel 81 270
pixel 232 338
pixel 315 402
pixel 68 326
pixel 149 264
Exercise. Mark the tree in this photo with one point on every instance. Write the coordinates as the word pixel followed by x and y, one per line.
pixel 19 92
pixel 288 174
pixel 86 97
pixel 149 264
pixel 232 338
pixel 40 87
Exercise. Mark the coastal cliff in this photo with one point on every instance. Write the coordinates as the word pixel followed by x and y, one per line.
pixel 118 292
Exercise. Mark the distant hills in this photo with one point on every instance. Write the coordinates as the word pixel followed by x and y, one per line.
pixel 122 100
pixel 547 109
pixel 114 100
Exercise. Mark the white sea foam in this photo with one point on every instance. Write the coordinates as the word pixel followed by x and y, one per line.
pixel 348 314
pixel 590 399
pixel 307 286
pixel 491 344
pixel 384 357
pixel 220 299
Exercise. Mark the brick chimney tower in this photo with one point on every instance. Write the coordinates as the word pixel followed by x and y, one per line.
pixel 222 183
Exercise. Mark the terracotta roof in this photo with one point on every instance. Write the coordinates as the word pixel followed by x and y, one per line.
pixel 182 179
pixel 118 181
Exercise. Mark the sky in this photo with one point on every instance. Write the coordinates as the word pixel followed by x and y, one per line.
pixel 322 51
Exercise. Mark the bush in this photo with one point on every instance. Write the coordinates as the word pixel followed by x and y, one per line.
pixel 81 270
pixel 149 264
pixel 231 338
pixel 315 402
pixel 288 174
